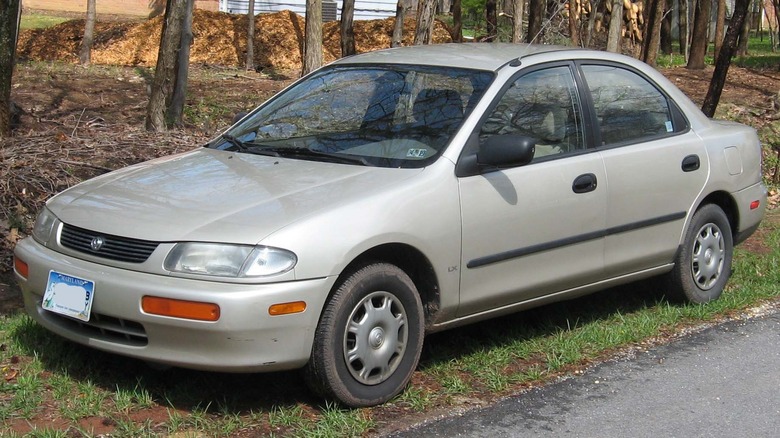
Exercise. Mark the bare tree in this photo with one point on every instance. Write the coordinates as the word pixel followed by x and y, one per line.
pixel 398 27
pixel 179 98
pixel 517 20
pixel 491 18
pixel 457 21
pixel 312 46
pixel 615 26
pixel 165 72
pixel 699 43
pixel 666 28
pixel 536 9
pixel 250 36
pixel 651 40
pixel 744 36
pixel 10 11
pixel 685 28
pixel 347 32
pixel 574 23
pixel 424 32
pixel 720 25
pixel 738 17
pixel 89 34
pixel 594 6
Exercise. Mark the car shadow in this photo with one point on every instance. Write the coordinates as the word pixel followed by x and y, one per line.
pixel 226 393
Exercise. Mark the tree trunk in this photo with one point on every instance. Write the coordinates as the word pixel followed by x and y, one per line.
pixel 738 17
pixel 165 72
pixel 594 6
pixel 699 43
pixel 250 37
pixel 720 25
pixel 615 26
pixel 179 98
pixel 517 20
pixel 666 29
pixel 398 27
pixel 574 24
pixel 652 37
pixel 347 32
pixel 10 11
pixel 312 48
pixel 685 29
pixel 424 32
pixel 457 21
pixel 89 34
pixel 536 9
pixel 491 18
pixel 742 45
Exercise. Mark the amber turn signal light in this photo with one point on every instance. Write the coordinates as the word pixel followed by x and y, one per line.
pixel 21 268
pixel 180 308
pixel 287 308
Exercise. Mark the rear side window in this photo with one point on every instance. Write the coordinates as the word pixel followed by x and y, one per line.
pixel 628 107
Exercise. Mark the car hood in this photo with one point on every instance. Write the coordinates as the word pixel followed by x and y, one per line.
pixel 210 195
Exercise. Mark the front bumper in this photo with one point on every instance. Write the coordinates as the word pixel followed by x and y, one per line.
pixel 244 339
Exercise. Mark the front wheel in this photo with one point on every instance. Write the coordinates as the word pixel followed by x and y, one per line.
pixel 369 338
pixel 703 263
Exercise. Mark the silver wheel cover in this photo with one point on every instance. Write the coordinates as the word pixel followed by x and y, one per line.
pixel 375 338
pixel 708 256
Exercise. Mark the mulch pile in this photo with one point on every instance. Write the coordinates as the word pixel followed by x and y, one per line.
pixel 219 39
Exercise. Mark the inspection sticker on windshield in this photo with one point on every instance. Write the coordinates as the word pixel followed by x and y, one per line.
pixel 416 153
pixel 68 295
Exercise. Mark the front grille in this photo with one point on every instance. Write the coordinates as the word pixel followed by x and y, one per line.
pixel 117 248
pixel 105 328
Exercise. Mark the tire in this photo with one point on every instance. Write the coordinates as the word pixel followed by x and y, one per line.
pixel 703 263
pixel 369 338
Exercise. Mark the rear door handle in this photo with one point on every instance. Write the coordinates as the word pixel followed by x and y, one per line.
pixel 691 163
pixel 585 183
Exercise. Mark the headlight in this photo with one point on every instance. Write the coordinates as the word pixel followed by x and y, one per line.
pixel 225 260
pixel 44 225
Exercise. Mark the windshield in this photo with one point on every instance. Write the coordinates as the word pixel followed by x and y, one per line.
pixel 390 116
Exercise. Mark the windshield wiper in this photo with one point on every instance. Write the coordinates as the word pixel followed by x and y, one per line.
pixel 240 145
pixel 249 148
pixel 309 153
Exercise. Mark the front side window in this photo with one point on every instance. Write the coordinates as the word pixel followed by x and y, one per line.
pixel 544 106
pixel 391 116
pixel 628 107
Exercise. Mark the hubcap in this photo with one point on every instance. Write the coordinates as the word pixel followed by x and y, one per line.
pixel 708 256
pixel 375 338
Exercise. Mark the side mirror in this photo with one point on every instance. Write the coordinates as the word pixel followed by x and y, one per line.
pixel 506 151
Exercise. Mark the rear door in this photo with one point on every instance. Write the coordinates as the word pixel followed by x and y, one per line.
pixel 655 164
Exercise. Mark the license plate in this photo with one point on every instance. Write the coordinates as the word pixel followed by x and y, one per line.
pixel 68 295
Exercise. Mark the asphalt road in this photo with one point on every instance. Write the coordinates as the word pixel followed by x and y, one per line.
pixel 721 382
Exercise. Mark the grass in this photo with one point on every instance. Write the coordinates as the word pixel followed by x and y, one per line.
pixel 39 21
pixel 492 358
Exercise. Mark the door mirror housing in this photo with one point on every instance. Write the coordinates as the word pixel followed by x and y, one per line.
pixel 507 150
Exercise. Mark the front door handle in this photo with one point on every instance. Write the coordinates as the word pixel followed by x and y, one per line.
pixel 691 163
pixel 585 183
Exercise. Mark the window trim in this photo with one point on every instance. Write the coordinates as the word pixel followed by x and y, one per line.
pixel 676 114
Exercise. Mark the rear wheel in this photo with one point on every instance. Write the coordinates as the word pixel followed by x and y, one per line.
pixel 369 338
pixel 703 264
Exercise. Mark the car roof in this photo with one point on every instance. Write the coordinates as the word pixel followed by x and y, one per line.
pixel 482 56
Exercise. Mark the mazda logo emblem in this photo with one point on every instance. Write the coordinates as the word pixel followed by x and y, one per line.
pixel 97 243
